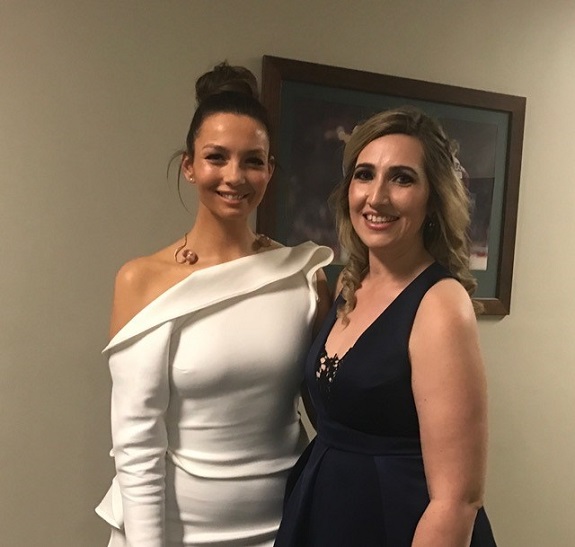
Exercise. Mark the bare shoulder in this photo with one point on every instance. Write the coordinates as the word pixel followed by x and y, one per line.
pixel 446 305
pixel 445 328
pixel 137 283
pixel 445 336
pixel 133 274
pixel 445 352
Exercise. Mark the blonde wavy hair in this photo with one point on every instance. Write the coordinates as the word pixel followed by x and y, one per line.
pixel 445 232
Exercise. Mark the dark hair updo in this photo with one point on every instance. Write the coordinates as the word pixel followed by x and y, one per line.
pixel 226 89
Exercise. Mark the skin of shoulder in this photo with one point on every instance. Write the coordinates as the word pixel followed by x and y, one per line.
pixel 133 290
pixel 143 279
pixel 449 389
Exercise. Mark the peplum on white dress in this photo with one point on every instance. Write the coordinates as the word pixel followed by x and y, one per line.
pixel 206 380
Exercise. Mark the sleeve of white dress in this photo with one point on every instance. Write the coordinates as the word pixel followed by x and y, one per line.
pixel 140 396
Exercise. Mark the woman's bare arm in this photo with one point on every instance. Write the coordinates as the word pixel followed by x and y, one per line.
pixel 450 395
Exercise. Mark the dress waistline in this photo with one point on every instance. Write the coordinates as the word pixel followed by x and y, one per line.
pixel 344 438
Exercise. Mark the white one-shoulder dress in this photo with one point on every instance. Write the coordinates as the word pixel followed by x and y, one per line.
pixel 205 426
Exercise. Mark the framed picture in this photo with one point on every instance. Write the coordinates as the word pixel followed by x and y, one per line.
pixel 313 110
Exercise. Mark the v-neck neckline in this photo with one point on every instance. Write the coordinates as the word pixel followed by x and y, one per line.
pixel 372 324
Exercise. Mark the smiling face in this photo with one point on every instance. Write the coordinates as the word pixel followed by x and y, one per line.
pixel 388 194
pixel 231 166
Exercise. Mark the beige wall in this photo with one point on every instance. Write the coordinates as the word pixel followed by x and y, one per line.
pixel 95 96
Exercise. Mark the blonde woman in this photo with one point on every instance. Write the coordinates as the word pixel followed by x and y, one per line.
pixel 396 374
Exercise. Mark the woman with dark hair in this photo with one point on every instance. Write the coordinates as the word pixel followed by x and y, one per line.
pixel 207 340
pixel 395 374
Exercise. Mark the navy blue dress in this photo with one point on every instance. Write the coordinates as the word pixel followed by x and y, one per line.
pixel 361 481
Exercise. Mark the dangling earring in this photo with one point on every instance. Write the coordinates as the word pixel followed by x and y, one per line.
pixel 429 226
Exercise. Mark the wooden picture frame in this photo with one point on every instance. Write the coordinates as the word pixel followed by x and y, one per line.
pixel 313 108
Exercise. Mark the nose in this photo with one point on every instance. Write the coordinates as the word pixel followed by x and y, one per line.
pixel 378 193
pixel 233 173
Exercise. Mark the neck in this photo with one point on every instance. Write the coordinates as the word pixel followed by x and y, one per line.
pixel 398 265
pixel 215 241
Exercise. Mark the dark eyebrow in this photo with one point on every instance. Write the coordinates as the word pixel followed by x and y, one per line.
pixel 214 147
pixel 256 151
pixel 218 148
pixel 364 166
pixel 393 170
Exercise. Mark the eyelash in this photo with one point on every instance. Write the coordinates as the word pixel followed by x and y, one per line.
pixel 363 175
pixel 403 178
pixel 215 157
pixel 219 158
pixel 256 161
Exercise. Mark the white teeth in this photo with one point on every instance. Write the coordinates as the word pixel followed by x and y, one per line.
pixel 377 218
pixel 231 195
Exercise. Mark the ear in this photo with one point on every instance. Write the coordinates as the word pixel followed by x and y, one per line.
pixel 187 167
pixel 271 165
